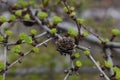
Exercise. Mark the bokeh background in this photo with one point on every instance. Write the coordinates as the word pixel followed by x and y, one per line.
pixel 101 17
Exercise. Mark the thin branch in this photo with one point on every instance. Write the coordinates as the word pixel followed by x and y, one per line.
pixel 16 61
pixel 93 60
pixel 5 60
pixel 36 37
pixel 66 77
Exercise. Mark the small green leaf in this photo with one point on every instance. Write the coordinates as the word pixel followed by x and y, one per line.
pixel 65 9
pixel 36 49
pixel 72 32
pixel 12 17
pixel 116 32
pixel 42 15
pixel 85 33
pixel 77 55
pixel 28 40
pixel 108 64
pixel 81 21
pixel 33 31
pixel 53 30
pixel 72 14
pixel 56 19
pixel 72 8
pixel 117 71
pixel 27 17
pixel 86 52
pixel 3 19
pixel 1 38
pixel 16 49
pixel 1 65
pixel 78 63
pixel 9 32
pixel 18 13
pixel 22 36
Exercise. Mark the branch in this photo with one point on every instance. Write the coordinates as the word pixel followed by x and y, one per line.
pixel 25 54
pixel 93 60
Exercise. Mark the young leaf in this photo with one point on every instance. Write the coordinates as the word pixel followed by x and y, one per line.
pixel 56 19
pixel 12 17
pixel 42 15
pixel 78 63
pixel 33 31
pixel 16 49
pixel 1 38
pixel 86 52
pixel 54 31
pixel 116 32
pixel 36 49
pixel 22 36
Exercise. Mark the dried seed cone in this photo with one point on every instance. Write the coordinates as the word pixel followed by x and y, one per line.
pixel 65 45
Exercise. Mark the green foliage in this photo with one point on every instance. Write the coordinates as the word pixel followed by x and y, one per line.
pixel 72 14
pixel 27 17
pixel 72 8
pixel 86 52
pixel 3 19
pixel 78 63
pixel 16 49
pixel 33 31
pixel 108 64
pixel 81 21
pixel 85 33
pixel 42 15
pixel 22 3
pixel 1 66
pixel 72 32
pixel 28 40
pixel 1 38
pixel 22 36
pixel 8 32
pixel 53 30
pixel 36 49
pixel 18 13
pixel 77 55
pixel 65 9
pixel 117 71
pixel 56 19
pixel 12 17
pixel 116 32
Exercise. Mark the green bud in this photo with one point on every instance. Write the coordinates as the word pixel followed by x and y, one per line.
pixel 27 17
pixel 72 32
pixel 22 36
pixel 85 33
pixel 1 65
pixel 56 19
pixel 28 40
pixel 72 8
pixel 8 32
pixel 42 15
pixel 3 19
pixel 12 17
pixel 78 63
pixel 1 38
pixel 16 49
pixel 77 55
pixel 53 30
pixel 36 49
pixel 81 21
pixel 86 52
pixel 33 31
pixel 65 9
pixel 72 14
pixel 116 32
pixel 108 64
pixel 18 13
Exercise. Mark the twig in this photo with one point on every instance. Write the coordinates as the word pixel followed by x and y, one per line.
pixel 5 60
pixel 93 60
pixel 66 77
pixel 16 61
